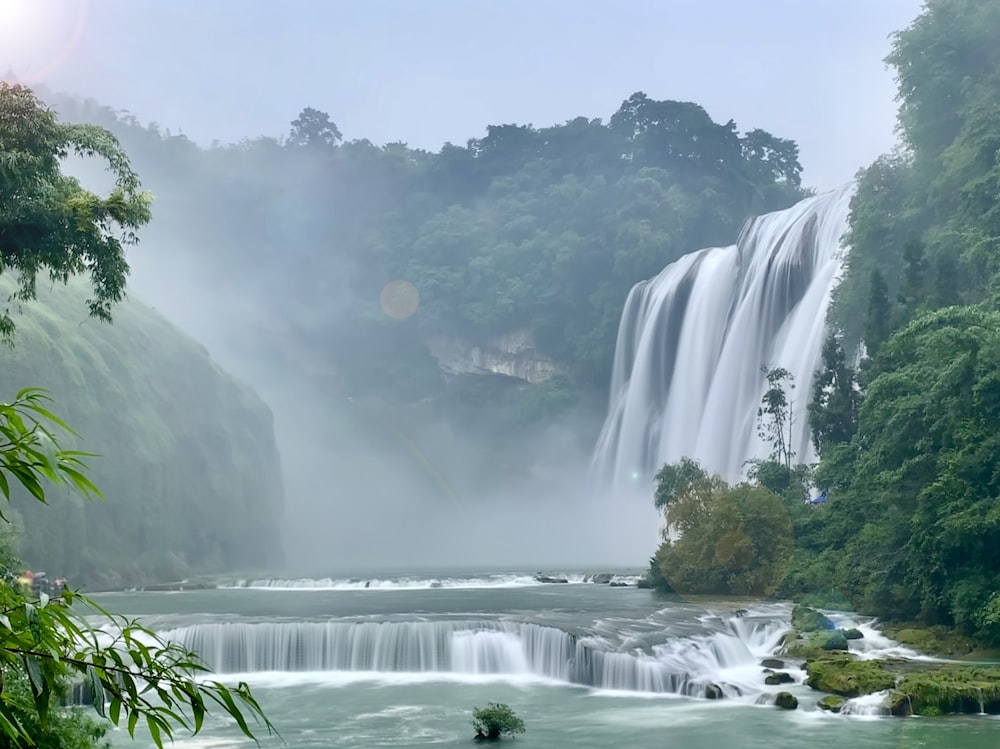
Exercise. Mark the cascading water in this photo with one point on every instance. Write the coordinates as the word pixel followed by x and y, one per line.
pixel 687 378
pixel 443 648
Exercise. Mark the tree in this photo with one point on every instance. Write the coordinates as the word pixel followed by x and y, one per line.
pixel 722 539
pixel 774 417
pixel 314 129
pixel 496 720
pixel 878 323
pixel 136 675
pixel 48 222
pixel 833 411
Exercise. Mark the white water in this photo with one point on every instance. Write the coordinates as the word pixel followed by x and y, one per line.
pixel 687 379
pixel 442 650
pixel 417 583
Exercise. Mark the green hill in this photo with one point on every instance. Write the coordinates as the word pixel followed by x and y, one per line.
pixel 188 462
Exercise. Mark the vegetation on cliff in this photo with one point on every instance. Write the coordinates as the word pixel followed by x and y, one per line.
pixel 185 454
pixel 49 223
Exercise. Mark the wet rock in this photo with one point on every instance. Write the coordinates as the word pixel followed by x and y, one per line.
pixel 806 619
pixel 835 640
pixel 619 584
pixel 842 674
pixel 546 579
pixel 777 678
pixel 602 578
pixel 644 583
pixel 786 701
pixel 854 634
pixel 713 692
pixel 831 703
pixel 772 663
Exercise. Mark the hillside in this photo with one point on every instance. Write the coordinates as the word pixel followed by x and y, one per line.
pixel 188 462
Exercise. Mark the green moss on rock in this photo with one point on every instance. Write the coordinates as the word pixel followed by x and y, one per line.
pixel 832 703
pixel 937 640
pixel 846 676
pixel 950 690
pixel 805 619
pixel 786 700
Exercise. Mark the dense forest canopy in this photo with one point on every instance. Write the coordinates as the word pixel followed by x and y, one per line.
pixel 538 228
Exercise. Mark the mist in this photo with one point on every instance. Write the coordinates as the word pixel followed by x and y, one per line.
pixel 392 473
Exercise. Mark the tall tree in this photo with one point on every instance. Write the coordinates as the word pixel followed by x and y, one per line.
pixel 775 415
pixel 314 129
pixel 48 221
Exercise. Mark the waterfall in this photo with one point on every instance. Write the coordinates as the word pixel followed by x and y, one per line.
pixel 487 647
pixel 687 379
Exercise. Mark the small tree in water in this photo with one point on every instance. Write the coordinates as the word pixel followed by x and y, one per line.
pixel 494 721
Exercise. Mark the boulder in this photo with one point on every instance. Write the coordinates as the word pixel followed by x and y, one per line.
pixel 835 640
pixel 780 677
pixel 713 692
pixel 602 578
pixel 546 579
pixel 806 619
pixel 772 663
pixel 854 634
pixel 619 584
pixel 786 701
pixel 831 703
pixel 842 674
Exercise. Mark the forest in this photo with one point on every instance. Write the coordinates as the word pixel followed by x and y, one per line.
pixel 907 431
pixel 537 231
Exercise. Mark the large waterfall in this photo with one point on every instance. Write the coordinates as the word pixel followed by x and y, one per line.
pixel 444 649
pixel 692 342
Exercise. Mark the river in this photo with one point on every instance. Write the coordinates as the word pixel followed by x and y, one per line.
pixel 403 661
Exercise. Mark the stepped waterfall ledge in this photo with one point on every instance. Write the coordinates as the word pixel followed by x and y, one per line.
pixel 687 378
pixel 727 653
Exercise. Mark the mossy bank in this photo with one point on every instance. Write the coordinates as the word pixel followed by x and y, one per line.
pixel 911 688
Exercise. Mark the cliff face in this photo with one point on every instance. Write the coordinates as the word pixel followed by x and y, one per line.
pixel 187 456
pixel 513 354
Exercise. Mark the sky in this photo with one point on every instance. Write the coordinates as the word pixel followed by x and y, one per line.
pixel 429 71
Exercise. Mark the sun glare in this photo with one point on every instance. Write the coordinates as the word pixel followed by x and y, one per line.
pixel 13 13
pixel 36 37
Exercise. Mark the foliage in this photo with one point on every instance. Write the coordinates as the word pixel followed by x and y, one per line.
pixel 62 728
pixel 496 720
pixel 774 417
pixel 153 399
pixel 719 539
pixel 524 228
pixel 833 410
pixel 908 444
pixel 133 675
pixel 48 222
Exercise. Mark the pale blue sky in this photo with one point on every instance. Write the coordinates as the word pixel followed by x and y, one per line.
pixel 430 71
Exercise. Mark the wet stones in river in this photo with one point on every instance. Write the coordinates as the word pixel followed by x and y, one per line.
pixel 780 677
pixel 786 701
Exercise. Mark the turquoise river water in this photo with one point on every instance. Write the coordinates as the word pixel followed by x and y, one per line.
pixel 397 662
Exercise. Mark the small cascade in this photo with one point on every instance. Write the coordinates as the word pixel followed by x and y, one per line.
pixel 684 665
pixel 870 706
pixel 687 379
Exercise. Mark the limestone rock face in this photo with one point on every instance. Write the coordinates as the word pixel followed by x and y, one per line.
pixel 512 354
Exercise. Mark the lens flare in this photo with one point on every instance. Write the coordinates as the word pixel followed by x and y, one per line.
pixel 36 38
pixel 399 299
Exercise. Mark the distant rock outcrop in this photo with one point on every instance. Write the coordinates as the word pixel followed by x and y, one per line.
pixel 512 354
